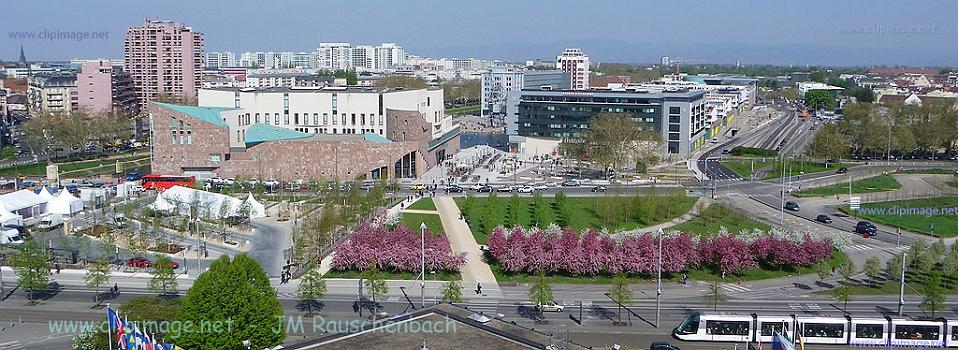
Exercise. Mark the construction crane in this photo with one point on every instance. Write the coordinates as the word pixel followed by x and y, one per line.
pixel 679 60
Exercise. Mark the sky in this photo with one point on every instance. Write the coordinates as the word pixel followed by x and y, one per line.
pixel 807 32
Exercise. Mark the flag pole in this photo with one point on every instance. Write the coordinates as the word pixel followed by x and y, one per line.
pixel 109 334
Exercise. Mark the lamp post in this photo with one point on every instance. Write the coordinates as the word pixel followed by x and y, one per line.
pixel 422 260
pixel 901 293
pixel 658 281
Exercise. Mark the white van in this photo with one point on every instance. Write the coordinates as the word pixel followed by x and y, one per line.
pixel 50 221
pixel 10 236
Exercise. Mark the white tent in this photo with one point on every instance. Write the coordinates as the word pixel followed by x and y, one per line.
pixel 10 219
pixel 65 203
pixel 208 204
pixel 45 194
pixel 23 202
pixel 256 209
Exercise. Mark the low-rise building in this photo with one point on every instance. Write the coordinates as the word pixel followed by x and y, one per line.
pixel 497 83
pixel 103 87
pixel 805 87
pixel 304 133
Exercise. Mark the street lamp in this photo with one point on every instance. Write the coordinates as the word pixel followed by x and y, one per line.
pixel 658 280
pixel 422 284
pixel 901 293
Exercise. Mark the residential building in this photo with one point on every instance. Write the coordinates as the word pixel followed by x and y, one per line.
pixel 285 78
pixel 576 63
pixel 23 72
pixel 805 87
pixel 163 58
pixel 389 55
pixel 103 87
pixel 333 56
pixel 678 114
pixel 364 58
pixel 55 93
pixel 220 59
pixel 497 83
pixel 304 133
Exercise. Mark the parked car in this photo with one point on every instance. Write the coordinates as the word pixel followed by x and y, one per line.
pixel 553 184
pixel 133 176
pixel 476 186
pixel 138 261
pixel 865 227
pixel 271 184
pixel 842 170
pixel 418 187
pixel 485 189
pixel 526 189
pixel 506 188
pixel 823 219
pixel 540 187
pixel 550 306
pixel 598 189
pixel 571 183
pixel 454 189
pixel 790 205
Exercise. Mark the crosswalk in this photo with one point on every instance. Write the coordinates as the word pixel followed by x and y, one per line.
pixel 734 288
pixel 12 345
pixel 859 247
pixel 485 307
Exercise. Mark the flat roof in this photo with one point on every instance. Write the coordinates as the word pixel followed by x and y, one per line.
pixel 327 89
pixel 640 93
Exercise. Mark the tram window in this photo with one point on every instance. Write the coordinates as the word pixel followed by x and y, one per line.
pixel 870 331
pixel 727 327
pixel 824 330
pixel 690 325
pixel 954 333
pixel 915 332
pixel 769 328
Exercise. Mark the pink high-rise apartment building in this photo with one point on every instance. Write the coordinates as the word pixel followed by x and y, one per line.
pixel 163 57
pixel 103 87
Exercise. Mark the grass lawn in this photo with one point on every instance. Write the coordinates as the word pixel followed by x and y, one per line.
pixel 922 219
pixel 929 171
pixel 413 220
pixel 394 275
pixel 743 167
pixel 914 285
pixel 423 204
pixel 584 212
pixel 879 183
pixel 715 216
pixel 700 274
pixel 472 109
pixel 107 165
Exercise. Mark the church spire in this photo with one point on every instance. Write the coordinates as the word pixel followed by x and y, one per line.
pixel 23 58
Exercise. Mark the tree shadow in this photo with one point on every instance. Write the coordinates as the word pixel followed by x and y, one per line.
pixel 886 311
pixel 801 286
pixel 529 312
pixel 310 305
pixel 824 284
pixel 602 312
pixel 51 290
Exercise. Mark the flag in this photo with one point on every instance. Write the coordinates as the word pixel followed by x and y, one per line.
pixel 781 343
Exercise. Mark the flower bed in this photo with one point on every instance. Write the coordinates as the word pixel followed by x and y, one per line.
pixel 589 254
pixel 372 245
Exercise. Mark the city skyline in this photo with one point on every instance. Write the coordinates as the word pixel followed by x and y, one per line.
pixel 909 36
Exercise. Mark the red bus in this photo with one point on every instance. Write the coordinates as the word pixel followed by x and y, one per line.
pixel 162 182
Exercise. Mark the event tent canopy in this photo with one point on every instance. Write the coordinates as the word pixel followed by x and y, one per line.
pixel 65 203
pixel 19 200
pixel 180 199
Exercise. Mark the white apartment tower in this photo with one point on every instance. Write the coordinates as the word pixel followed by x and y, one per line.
pixel 389 55
pixel 364 57
pixel 576 63
pixel 334 56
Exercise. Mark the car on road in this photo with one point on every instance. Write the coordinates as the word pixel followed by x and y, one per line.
pixel 841 170
pixel 418 187
pixel 598 189
pixel 485 189
pixel 550 306
pixel 790 205
pixel 823 219
pixel 553 184
pixel 476 186
pixel 659 345
pixel 540 186
pixel 453 189
pixel 526 189
pixel 506 188
pixel 865 227
pixel 271 184
pixel 138 261
pixel 133 176
pixel 571 183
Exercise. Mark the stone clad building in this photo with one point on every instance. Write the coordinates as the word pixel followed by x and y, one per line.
pixel 401 136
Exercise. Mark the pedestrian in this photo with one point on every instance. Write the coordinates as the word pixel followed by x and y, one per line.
pixel 58 268
pixel 685 278
pixel 478 288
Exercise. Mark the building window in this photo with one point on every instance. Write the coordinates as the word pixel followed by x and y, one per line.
pixel 315 118
pixel 675 110
pixel 326 119
pixel 334 119
pixel 344 118
pixel 276 118
pixel 215 158
pixel 257 117
pixel 295 118
pixel 362 119
pixel 380 120
pixel 285 118
pixel 674 128
pixel 673 136
pixel 354 118
pixel 673 119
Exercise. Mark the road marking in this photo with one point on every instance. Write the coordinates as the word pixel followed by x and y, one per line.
pixel 795 306
pixel 859 247
pixel 734 288
pixel 814 306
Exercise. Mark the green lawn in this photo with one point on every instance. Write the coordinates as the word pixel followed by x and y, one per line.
pixel 471 109
pixel 413 220
pixel 879 183
pixel 915 282
pixel 616 213
pixel 716 216
pixel 394 275
pixel 930 171
pixel 794 167
pixel 41 168
pixel 423 204
pixel 699 274
pixel 916 215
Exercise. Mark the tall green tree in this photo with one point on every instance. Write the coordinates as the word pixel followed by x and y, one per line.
pixel 164 277
pixel 237 290
pixel 620 293
pixel 829 143
pixel 98 274
pixel 893 267
pixel 312 287
pixel 614 140
pixel 934 293
pixel 451 292
pixel 847 269
pixel 374 285
pixel 541 291
pixel 820 99
pixel 842 294
pixel 31 268
pixel 872 268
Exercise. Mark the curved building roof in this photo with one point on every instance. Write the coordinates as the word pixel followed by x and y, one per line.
pixel 208 114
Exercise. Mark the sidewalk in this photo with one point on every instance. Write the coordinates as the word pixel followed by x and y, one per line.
pixel 461 239
pixel 697 208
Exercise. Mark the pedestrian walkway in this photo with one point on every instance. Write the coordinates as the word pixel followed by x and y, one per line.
pixel 419 211
pixel 462 241
pixel 700 204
